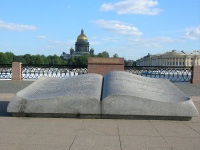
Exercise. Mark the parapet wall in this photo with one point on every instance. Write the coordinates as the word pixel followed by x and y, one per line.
pixel 196 74
pixel 104 65
pixel 16 71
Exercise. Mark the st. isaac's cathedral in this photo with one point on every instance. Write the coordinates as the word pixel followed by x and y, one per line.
pixel 81 47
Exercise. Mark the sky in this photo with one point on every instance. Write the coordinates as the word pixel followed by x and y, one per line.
pixel 129 28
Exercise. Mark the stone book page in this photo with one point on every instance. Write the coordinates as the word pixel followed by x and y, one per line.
pixel 73 95
pixel 83 85
pixel 128 94
pixel 124 83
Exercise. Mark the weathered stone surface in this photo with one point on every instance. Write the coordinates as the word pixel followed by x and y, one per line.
pixel 74 95
pixel 129 94
pixel 124 95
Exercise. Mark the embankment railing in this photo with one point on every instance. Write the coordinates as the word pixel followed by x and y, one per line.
pixel 5 71
pixel 36 71
pixel 173 73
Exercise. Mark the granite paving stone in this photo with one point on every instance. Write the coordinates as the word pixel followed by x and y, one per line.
pixel 99 127
pixel 183 143
pixel 97 140
pixel 61 126
pixel 196 119
pixel 174 129
pixel 44 147
pixel 14 138
pixel 51 139
pixel 195 126
pixel 136 127
pixel 148 148
pixel 136 142
pixel 91 147
pixel 9 146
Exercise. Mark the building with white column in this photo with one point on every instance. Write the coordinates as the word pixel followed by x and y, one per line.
pixel 172 58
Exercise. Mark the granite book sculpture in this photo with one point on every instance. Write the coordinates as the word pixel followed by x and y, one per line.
pixel 118 93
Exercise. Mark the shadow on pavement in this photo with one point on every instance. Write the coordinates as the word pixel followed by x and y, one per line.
pixel 3 109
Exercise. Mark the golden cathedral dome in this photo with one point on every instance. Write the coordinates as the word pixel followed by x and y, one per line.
pixel 82 36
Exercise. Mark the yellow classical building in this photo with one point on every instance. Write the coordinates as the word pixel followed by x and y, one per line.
pixel 172 58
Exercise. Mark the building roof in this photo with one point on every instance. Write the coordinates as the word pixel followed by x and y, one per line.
pixel 197 52
pixel 174 52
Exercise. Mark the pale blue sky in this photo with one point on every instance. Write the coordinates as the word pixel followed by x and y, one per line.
pixel 130 28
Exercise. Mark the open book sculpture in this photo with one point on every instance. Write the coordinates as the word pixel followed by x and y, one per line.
pixel 118 94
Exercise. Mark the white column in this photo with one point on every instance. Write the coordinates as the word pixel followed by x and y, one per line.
pixel 174 61
pixel 177 61
pixel 185 63
pixel 165 61
pixel 171 61
pixel 168 61
pixel 195 61
pixel 189 62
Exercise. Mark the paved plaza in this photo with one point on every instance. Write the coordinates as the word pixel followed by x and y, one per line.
pixel 21 133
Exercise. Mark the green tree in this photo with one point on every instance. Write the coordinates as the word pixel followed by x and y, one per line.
pixel 45 60
pixel 78 60
pixel 3 58
pixel 71 61
pixel 83 60
pixel 104 54
pixel 20 58
pixel 39 60
pixel 55 60
pixel 10 57
pixel 50 59
pixel 129 62
pixel 115 56
pixel 29 59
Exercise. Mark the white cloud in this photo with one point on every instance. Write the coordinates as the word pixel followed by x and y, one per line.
pixel 118 27
pixel 58 42
pixel 192 33
pixel 41 37
pixel 94 43
pixel 111 39
pixel 150 42
pixel 50 46
pixel 93 38
pixel 16 27
pixel 145 7
pixel 60 45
